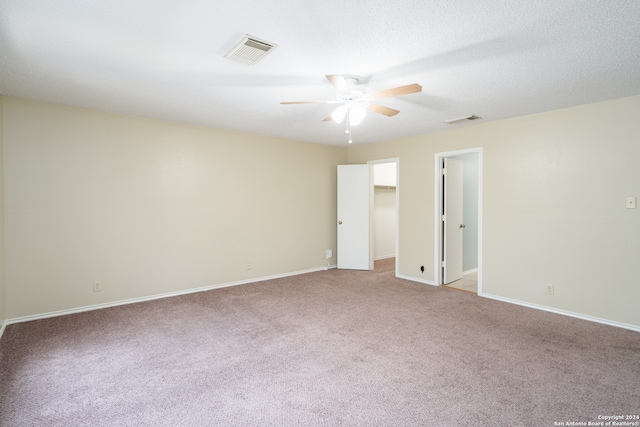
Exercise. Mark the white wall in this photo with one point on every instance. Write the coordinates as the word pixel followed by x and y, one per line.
pixel 385 174
pixel 151 207
pixel 2 265
pixel 554 190
pixel 384 217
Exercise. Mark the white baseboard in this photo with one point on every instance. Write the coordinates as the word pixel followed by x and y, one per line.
pixel 378 258
pixel 154 297
pixel 415 279
pixel 278 276
pixel 564 312
pixel 473 270
pixel 4 324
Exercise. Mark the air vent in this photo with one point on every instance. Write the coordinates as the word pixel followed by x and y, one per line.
pixel 462 119
pixel 249 50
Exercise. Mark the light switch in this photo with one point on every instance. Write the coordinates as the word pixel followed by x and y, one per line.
pixel 631 202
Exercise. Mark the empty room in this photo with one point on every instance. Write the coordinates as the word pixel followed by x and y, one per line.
pixel 399 213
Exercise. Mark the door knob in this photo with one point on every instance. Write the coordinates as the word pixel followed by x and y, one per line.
pixel 462 226
pixel 340 222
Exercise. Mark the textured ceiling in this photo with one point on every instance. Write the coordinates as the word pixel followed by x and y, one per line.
pixel 163 59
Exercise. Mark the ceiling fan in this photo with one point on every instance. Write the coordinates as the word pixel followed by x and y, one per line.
pixel 355 103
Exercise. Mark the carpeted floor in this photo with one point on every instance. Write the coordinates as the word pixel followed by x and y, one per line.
pixel 332 348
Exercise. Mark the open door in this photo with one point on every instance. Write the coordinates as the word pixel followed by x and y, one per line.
pixel 472 166
pixel 354 190
pixel 453 226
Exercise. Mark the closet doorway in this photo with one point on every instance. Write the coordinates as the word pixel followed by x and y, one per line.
pixel 384 216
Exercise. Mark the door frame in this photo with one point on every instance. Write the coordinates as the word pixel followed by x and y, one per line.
pixel 438 193
pixel 371 163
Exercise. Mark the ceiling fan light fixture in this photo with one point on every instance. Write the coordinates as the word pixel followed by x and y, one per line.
pixel 356 102
pixel 339 113
pixel 356 115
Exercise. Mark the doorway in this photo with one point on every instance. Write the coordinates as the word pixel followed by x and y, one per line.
pixel 471 225
pixel 385 213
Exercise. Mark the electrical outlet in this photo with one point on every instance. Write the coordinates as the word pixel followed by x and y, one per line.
pixel 631 203
pixel 549 289
pixel 97 286
pixel 248 266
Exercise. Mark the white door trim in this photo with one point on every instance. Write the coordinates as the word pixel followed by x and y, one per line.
pixel 395 160
pixel 438 208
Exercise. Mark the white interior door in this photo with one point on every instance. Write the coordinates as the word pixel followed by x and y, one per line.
pixel 354 189
pixel 453 226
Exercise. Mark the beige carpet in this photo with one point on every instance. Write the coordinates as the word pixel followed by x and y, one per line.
pixel 332 348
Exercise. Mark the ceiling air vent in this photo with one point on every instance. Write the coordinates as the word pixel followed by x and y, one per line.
pixel 249 50
pixel 462 119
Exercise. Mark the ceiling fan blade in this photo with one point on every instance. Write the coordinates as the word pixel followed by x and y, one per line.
pixel 311 102
pixel 330 116
pixel 389 112
pixel 397 91
pixel 339 83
